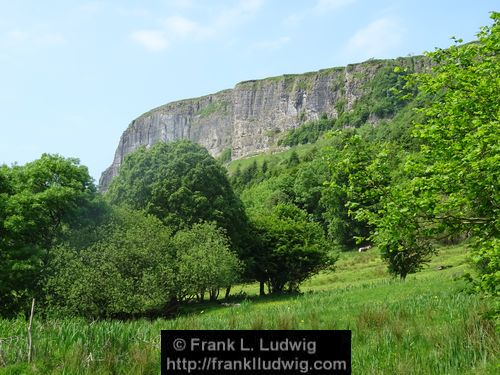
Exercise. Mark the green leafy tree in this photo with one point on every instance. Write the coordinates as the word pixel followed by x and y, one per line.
pixel 308 132
pixel 293 248
pixel 10 254
pixel 39 202
pixel 249 173
pixel 360 174
pixel 204 262
pixel 293 160
pixel 181 184
pixel 403 236
pixel 264 196
pixel 264 168
pixel 126 270
pixel 453 181
pixel 309 187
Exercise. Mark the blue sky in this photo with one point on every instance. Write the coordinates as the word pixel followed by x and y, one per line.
pixel 74 73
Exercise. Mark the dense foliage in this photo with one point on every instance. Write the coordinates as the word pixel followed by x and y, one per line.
pixel 133 266
pixel 205 262
pixel 127 271
pixel 181 184
pixel 308 132
pixel 452 182
pixel 38 203
pixel 293 248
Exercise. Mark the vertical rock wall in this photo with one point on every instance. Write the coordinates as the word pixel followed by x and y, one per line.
pixel 249 118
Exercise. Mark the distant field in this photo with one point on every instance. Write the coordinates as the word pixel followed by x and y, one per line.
pixel 425 325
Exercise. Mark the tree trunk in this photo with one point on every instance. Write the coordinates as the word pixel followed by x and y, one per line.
pixel 214 294
pixel 172 306
pixel 262 291
pixel 269 288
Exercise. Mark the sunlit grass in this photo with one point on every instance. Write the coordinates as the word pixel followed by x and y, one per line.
pixel 424 325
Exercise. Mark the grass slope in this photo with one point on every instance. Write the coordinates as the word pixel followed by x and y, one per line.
pixel 272 158
pixel 425 325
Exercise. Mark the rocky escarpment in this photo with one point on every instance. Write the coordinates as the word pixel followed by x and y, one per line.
pixel 249 118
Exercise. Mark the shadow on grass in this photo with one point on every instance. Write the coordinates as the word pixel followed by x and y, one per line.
pixel 196 307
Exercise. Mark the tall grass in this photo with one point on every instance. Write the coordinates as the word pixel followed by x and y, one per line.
pixel 425 325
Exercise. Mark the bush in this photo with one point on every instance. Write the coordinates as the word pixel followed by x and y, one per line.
pixel 127 272
pixel 204 262
pixel 292 248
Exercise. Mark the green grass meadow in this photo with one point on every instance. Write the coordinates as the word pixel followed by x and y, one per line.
pixel 424 325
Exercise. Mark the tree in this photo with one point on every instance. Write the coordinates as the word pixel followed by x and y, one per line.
pixel 264 168
pixel 9 255
pixel 126 270
pixel 293 248
pixel 204 262
pixel 453 180
pixel 403 236
pixel 293 160
pixel 249 173
pixel 182 185
pixel 360 172
pixel 309 186
pixel 39 202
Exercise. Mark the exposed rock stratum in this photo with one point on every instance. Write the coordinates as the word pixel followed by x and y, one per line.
pixel 249 118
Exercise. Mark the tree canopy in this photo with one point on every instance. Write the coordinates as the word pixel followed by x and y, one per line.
pixel 126 269
pixel 38 203
pixel 205 262
pixel 292 248
pixel 452 183
pixel 181 184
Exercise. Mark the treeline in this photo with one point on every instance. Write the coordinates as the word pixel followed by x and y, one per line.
pixel 425 175
pixel 169 230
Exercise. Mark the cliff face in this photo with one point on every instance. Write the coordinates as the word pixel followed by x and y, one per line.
pixel 249 118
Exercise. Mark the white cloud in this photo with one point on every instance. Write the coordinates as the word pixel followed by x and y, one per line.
pixel 18 36
pixel 330 5
pixel 375 39
pixel 178 28
pixel 175 29
pixel 181 26
pixel 152 40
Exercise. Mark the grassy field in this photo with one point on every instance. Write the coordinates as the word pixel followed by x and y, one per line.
pixel 425 325
pixel 272 157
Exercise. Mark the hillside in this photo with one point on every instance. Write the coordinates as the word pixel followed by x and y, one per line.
pixel 425 326
pixel 249 118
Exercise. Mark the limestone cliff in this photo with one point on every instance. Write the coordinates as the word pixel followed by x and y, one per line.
pixel 248 118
